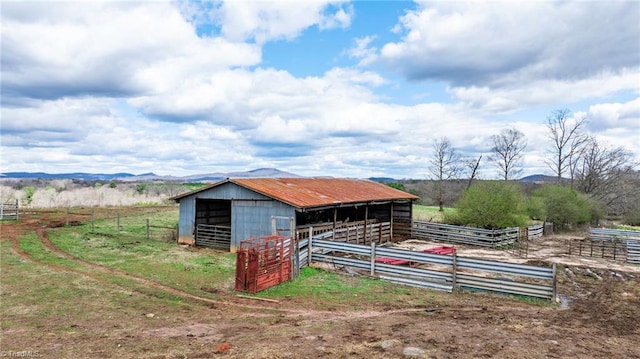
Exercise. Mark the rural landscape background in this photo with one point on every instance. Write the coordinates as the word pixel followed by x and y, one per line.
pixel 499 116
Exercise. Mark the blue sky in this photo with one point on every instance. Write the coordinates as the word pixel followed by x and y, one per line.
pixel 317 88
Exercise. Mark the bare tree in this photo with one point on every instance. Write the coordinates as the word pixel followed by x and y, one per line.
pixel 472 166
pixel 601 172
pixel 568 137
pixel 445 165
pixel 506 152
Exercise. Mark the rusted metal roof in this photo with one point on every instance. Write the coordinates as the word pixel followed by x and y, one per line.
pixel 317 192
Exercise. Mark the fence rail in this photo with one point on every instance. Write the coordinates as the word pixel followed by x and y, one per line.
pixel 213 236
pixel 10 210
pixel 440 272
pixel 611 249
pixel 605 234
pixel 630 240
pixel 633 251
pixel 352 232
pixel 473 236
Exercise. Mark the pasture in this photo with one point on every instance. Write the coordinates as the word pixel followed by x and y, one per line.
pixel 101 291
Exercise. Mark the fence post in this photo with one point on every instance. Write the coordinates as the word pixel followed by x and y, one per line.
pixel 454 269
pixel 555 293
pixel 118 221
pixel 147 228
pixel 373 258
pixel 309 246
pixel 67 216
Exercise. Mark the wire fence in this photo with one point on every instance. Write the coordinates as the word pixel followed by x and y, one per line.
pixel 157 222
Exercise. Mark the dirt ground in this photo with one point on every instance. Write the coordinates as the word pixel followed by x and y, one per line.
pixel 599 318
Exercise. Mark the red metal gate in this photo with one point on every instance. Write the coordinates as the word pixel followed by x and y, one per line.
pixel 263 262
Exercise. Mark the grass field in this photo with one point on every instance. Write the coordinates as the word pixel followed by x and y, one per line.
pixel 429 213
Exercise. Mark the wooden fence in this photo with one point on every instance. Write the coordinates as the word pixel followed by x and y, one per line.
pixel 10 210
pixel 471 235
pixel 440 272
pixel 360 232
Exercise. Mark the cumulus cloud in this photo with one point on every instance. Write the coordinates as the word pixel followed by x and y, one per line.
pixel 268 20
pixel 154 87
pixel 105 49
pixel 467 43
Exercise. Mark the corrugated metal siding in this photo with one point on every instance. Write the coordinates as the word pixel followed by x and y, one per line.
pixel 187 219
pixel 253 218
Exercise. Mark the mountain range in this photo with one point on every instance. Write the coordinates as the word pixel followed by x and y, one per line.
pixel 148 177
pixel 208 177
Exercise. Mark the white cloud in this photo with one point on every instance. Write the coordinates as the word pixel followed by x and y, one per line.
pixel 505 42
pixel 268 20
pixel 361 50
pixel 545 91
pixel 132 87
pixel 106 49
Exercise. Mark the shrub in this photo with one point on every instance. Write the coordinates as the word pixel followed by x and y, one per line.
pixel 632 218
pixel 490 205
pixel 565 207
pixel 28 194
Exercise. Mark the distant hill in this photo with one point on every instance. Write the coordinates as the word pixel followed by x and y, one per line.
pixel 382 179
pixel 539 178
pixel 147 177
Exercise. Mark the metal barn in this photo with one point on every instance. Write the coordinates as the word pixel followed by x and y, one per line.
pixel 222 214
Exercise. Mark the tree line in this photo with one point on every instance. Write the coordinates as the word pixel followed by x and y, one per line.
pixel 606 175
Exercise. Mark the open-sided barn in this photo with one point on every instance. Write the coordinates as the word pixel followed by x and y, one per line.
pixel 222 214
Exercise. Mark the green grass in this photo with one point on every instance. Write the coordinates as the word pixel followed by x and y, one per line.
pixel 430 213
pixel 325 289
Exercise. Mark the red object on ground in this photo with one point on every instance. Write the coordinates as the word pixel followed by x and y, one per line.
pixel 436 250
pixel 441 250
pixel 262 263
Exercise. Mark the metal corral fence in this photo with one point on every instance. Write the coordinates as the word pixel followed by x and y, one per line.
pixel 471 235
pixel 213 236
pixel 10 210
pixel 630 239
pixel 633 251
pixel 440 272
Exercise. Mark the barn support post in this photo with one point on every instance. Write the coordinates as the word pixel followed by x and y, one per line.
pixel 294 249
pixel 391 224
pixel 335 219
pixel 366 216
